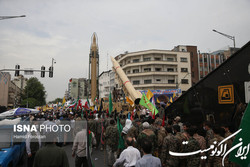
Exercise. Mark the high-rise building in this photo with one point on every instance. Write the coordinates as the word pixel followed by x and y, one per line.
pixel 157 69
pixel 106 83
pixel 20 81
pixel 77 88
pixel 209 61
pixel 94 65
pixel 10 93
pixel 193 59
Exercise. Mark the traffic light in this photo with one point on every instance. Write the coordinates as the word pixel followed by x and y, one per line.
pixel 42 71
pixel 50 72
pixel 17 70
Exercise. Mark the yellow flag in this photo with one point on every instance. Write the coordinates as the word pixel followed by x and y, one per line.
pixel 64 101
pixel 174 95
pixel 149 95
pixel 129 101
pixel 157 100
pixel 171 100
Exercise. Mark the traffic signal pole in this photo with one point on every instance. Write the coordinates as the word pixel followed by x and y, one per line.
pixel 17 70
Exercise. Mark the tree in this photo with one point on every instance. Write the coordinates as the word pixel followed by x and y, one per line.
pixel 32 103
pixel 56 100
pixel 34 91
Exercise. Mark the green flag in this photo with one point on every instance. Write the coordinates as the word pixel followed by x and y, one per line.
pixel 121 141
pixel 241 142
pixel 146 103
pixel 76 104
pixel 110 104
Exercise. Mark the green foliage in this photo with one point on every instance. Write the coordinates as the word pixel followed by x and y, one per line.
pixel 56 100
pixel 35 90
pixel 32 103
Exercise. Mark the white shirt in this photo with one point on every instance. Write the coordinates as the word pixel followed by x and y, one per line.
pixel 128 157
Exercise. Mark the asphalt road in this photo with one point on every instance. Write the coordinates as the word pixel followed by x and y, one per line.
pixel 99 158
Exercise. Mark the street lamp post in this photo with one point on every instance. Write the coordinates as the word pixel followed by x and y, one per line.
pixel 10 17
pixel 228 36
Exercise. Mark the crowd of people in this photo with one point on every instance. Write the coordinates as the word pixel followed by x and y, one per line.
pixel 147 139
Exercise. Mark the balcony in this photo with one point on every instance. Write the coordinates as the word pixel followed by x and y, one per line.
pixel 151 62
pixel 151 73
pixel 161 85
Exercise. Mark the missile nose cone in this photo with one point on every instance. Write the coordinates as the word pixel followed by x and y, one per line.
pixel 94 38
pixel 113 61
pixel 94 41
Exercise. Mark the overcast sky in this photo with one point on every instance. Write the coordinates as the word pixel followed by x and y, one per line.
pixel 62 29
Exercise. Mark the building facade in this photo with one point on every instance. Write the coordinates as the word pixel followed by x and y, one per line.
pixel 209 61
pixel 20 81
pixel 193 60
pixel 107 83
pixel 10 93
pixel 157 69
pixel 77 88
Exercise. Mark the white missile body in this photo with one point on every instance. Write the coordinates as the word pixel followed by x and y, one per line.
pixel 135 95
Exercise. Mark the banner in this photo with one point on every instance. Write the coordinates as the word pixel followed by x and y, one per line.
pixel 161 92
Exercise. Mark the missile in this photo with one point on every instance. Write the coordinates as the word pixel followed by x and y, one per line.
pixel 135 95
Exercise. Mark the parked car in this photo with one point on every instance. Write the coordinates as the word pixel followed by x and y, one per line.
pixel 11 152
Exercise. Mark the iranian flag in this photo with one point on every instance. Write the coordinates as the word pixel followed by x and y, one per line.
pixel 96 100
pixel 95 110
pixel 79 105
pixel 72 105
pixel 87 106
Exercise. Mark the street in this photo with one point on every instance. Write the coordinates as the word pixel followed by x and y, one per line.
pixel 97 157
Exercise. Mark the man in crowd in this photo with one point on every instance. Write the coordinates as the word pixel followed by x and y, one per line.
pixel 148 160
pixel 51 155
pixel 129 156
pixel 169 144
pixel 148 134
pixel 112 137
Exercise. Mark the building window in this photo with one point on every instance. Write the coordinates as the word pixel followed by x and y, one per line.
pixel 183 59
pixel 205 59
pixel 217 61
pixel 147 59
pixel 157 69
pixel 183 50
pixel 184 70
pixel 137 82
pixel 184 81
pixel 147 69
pixel 128 72
pixel 136 71
pixel 136 60
pixel 171 81
pixel 170 69
pixel 170 59
pixel 157 58
pixel 148 81
pixel 158 80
